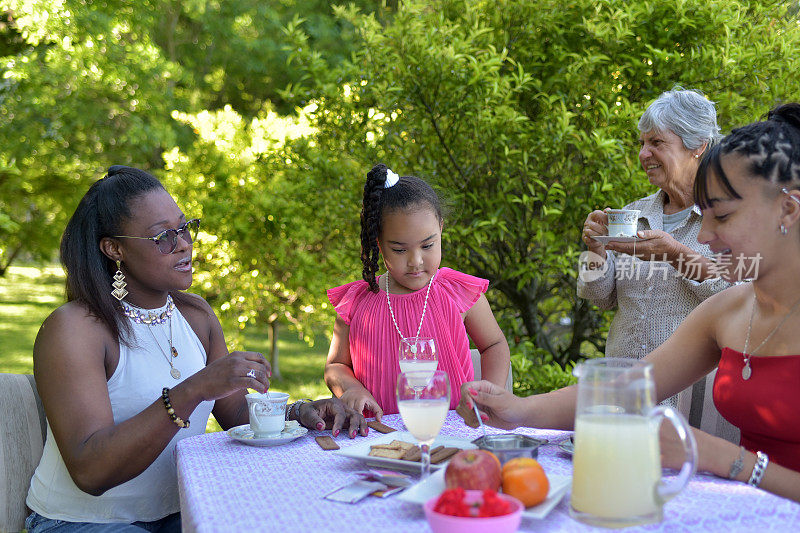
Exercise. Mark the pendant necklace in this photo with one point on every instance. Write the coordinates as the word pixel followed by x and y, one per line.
pixel 152 319
pixel 747 371
pixel 174 372
pixel 424 308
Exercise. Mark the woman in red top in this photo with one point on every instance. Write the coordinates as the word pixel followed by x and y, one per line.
pixel 748 187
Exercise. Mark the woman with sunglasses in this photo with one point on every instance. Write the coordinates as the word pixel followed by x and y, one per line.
pixel 131 364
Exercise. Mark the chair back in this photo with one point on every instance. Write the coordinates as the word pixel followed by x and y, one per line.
pixel 22 435
pixel 476 366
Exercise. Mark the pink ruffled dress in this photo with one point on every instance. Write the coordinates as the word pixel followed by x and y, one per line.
pixel 375 343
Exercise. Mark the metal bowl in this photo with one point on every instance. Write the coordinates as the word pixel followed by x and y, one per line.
pixel 507 446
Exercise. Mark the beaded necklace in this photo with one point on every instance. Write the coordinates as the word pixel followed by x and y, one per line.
pixel 144 316
pixel 424 308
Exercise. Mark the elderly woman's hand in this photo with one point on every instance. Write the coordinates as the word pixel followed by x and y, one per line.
pixel 332 413
pixel 596 224
pixel 653 245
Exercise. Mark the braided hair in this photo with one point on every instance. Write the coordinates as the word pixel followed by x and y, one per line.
pixel 772 148
pixel 409 193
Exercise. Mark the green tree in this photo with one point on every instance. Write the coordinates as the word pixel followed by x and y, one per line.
pixel 524 113
pixel 266 225
pixel 90 84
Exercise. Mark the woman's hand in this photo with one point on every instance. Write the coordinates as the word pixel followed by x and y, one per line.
pixel 498 407
pixel 596 224
pixel 232 373
pixel 332 413
pixel 359 398
pixel 653 245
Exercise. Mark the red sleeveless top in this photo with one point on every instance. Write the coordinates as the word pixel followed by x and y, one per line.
pixel 766 407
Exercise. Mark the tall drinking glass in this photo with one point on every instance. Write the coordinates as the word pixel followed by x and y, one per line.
pixel 423 398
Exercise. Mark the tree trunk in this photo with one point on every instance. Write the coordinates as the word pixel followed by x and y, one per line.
pixel 273 337
pixel 4 268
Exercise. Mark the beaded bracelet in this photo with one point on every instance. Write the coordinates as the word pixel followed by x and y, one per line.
pixel 758 469
pixel 181 423
pixel 296 406
pixel 737 465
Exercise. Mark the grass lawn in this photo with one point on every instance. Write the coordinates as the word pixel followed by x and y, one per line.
pixel 29 293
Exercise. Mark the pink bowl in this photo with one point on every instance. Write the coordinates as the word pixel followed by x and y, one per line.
pixel 443 523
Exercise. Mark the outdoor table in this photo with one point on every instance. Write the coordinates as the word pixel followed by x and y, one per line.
pixel 227 486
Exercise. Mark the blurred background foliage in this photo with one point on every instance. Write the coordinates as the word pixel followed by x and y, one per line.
pixel 263 118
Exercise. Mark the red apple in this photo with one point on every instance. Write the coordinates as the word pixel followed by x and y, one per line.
pixel 473 469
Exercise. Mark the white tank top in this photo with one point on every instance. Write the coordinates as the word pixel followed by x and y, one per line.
pixel 140 375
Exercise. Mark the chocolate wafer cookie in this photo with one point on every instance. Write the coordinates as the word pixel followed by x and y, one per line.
pixel 443 455
pixel 380 427
pixel 327 443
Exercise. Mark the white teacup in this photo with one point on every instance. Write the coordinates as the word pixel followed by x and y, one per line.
pixel 267 413
pixel 622 222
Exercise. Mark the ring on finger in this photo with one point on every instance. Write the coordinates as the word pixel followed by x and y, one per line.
pixel 251 374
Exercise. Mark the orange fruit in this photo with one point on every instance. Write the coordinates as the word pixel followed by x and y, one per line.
pixel 524 479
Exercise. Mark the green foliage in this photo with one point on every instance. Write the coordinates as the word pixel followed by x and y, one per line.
pixel 273 257
pixel 530 378
pixel 86 85
pixel 27 295
pixel 524 113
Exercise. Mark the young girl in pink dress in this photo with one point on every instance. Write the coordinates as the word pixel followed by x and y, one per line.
pixel 401 220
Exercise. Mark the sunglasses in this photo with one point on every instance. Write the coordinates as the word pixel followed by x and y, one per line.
pixel 167 240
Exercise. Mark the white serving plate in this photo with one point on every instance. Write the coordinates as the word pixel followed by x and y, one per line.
pixel 361 449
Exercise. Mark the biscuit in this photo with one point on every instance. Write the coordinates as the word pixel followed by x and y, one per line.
pixel 401 444
pixel 415 453
pixel 412 454
pixel 327 443
pixel 388 453
pixel 443 454
pixel 380 427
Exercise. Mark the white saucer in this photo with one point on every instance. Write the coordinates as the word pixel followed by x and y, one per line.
pixel 605 239
pixel 245 435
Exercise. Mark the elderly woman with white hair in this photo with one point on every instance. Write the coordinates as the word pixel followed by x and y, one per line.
pixel 656 281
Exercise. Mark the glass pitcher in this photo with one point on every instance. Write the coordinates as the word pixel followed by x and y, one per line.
pixel 616 479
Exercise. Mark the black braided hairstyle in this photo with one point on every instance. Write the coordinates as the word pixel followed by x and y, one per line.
pixel 772 148
pixel 409 193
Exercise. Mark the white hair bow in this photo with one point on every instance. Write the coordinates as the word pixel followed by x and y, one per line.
pixel 391 178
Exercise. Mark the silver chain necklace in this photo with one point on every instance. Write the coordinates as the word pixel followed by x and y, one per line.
pixel 746 370
pixel 424 308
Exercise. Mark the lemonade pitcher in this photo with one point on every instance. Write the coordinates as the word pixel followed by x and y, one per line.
pixel 616 478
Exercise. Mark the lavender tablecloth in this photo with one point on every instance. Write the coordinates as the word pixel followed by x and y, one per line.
pixel 227 486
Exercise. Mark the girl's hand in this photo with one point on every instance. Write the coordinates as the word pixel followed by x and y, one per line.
pixel 232 373
pixel 333 414
pixel 498 407
pixel 359 398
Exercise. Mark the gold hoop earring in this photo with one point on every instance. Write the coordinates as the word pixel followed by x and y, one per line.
pixel 119 284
